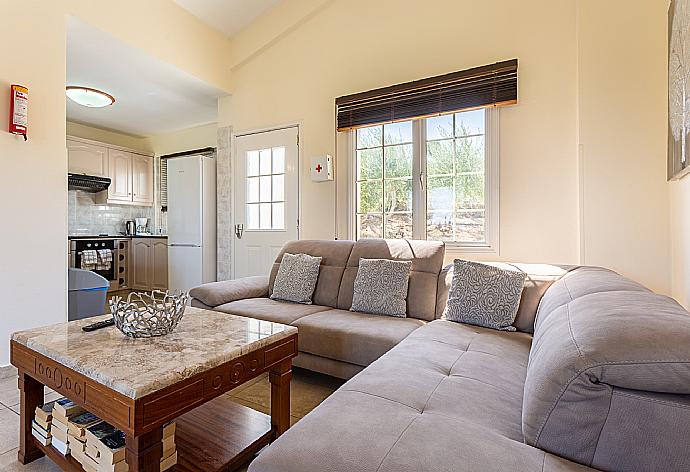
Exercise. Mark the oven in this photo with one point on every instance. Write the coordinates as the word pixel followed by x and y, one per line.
pixel 114 275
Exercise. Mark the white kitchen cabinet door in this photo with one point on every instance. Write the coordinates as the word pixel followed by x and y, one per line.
pixel 140 272
pixel 159 264
pixel 142 179
pixel 87 159
pixel 120 164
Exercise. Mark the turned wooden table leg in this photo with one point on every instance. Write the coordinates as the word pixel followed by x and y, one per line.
pixel 30 396
pixel 280 376
pixel 144 453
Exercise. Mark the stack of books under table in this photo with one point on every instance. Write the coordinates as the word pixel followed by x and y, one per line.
pixel 105 449
pixel 40 426
pixel 63 410
pixel 169 457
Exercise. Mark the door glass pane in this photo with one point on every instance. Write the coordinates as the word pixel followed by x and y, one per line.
pixel 369 164
pixel 265 189
pixel 265 215
pixel 370 226
pixel 398 160
pixel 399 225
pixel 469 123
pixel 397 133
pixel 278 188
pixel 369 137
pixel 252 189
pixel 370 197
pixel 252 163
pixel 278 160
pixel 265 161
pixel 398 195
pixel 278 216
pixel 439 127
pixel 253 216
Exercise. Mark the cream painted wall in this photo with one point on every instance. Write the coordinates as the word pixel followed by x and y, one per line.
pixel 296 77
pixel 622 121
pixel 33 284
pixel 184 140
pixel 106 136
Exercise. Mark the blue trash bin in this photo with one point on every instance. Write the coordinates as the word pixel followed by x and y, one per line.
pixel 86 294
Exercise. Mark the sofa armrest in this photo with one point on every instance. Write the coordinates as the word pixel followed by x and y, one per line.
pixel 219 293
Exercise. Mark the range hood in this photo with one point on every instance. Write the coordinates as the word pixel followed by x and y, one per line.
pixel 88 183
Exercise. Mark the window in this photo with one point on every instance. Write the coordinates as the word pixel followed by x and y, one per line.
pixel 266 189
pixel 433 178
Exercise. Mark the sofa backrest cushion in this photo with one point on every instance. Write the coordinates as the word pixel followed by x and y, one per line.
pixel 334 256
pixel 427 261
pixel 588 354
pixel 539 278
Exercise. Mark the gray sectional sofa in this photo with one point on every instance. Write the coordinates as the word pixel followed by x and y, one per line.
pixel 597 374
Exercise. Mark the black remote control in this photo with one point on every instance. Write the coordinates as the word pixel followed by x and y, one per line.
pixel 98 325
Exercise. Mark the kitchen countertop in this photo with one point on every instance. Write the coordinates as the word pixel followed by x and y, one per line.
pixel 135 367
pixel 115 236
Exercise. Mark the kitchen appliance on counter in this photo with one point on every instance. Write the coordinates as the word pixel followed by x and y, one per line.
pixel 191 222
pixel 142 225
pixel 117 273
pixel 130 228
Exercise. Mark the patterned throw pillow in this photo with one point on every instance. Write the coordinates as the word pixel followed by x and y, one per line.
pixel 381 287
pixel 484 295
pixel 296 278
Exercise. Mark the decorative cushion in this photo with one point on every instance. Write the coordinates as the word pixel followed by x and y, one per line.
pixel 381 287
pixel 484 295
pixel 296 278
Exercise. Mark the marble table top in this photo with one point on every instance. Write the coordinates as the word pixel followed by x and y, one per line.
pixel 136 367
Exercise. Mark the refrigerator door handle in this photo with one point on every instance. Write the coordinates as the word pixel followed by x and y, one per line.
pixel 183 245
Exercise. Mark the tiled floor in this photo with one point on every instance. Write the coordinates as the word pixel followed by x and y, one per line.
pixel 308 389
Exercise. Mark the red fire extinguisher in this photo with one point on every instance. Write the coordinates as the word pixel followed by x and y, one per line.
pixel 19 110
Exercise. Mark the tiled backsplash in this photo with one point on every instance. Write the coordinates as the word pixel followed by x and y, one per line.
pixel 88 217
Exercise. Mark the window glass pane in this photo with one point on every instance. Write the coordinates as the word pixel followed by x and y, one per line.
pixel 399 226
pixel 369 137
pixel 265 215
pixel 398 195
pixel 398 160
pixel 397 133
pixel 439 127
pixel 439 225
pixel 469 154
pixel 469 122
pixel 278 216
pixel 278 160
pixel 252 216
pixel 252 163
pixel 265 161
pixel 278 188
pixel 370 197
pixel 440 193
pixel 265 189
pixel 369 226
pixel 469 226
pixel 252 189
pixel 469 191
pixel 369 163
pixel 439 157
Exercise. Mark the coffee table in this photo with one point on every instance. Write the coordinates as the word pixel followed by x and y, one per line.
pixel 138 385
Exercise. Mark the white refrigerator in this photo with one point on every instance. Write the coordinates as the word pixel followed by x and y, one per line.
pixel 191 222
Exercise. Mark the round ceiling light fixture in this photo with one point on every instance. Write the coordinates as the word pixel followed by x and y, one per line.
pixel 89 97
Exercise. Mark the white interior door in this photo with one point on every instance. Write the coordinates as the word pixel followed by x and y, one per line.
pixel 266 186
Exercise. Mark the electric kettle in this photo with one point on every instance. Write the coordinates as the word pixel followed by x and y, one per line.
pixel 130 228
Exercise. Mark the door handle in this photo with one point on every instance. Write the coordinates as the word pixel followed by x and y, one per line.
pixel 239 229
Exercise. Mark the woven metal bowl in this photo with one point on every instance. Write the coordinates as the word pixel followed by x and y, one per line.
pixel 145 315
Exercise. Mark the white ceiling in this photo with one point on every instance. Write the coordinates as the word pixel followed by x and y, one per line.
pixel 151 96
pixel 227 16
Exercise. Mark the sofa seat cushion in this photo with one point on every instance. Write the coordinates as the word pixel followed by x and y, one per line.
pixel 270 310
pixel 447 398
pixel 357 338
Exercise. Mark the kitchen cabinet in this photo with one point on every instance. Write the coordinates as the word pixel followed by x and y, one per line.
pixel 149 269
pixel 87 158
pixel 142 179
pixel 120 173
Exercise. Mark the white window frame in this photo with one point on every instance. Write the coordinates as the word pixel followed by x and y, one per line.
pixel 491 187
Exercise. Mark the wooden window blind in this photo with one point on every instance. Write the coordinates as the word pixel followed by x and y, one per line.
pixel 164 184
pixel 479 87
